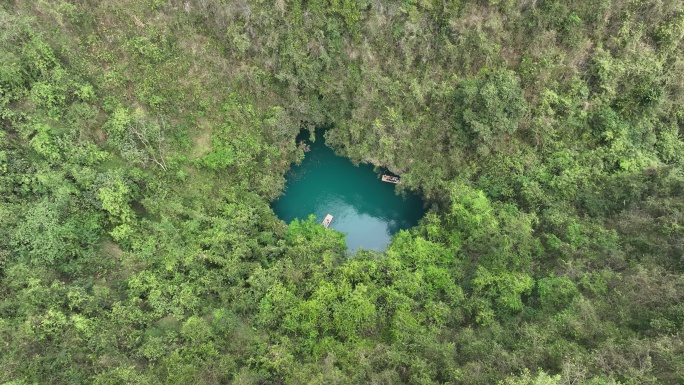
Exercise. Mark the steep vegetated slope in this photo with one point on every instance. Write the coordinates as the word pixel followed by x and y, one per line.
pixel 142 141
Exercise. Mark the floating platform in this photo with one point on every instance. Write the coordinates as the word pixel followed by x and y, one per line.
pixel 327 220
pixel 391 179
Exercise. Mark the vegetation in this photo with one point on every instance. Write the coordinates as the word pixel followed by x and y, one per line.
pixel 142 141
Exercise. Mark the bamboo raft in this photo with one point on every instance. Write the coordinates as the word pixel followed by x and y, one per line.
pixel 327 220
pixel 391 179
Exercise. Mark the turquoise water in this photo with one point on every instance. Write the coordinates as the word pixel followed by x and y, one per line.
pixel 362 206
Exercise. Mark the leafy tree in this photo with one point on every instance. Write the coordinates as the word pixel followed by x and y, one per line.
pixel 489 108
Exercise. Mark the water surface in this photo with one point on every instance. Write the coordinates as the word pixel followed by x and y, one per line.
pixel 362 206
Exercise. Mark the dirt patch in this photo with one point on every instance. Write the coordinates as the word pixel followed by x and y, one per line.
pixel 100 136
pixel 111 249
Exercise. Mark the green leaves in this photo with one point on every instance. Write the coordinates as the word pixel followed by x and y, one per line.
pixel 494 235
pixel 489 108
pixel 44 143
pixel 38 57
pixel 556 292
pixel 115 196
pixel 504 288
pixel 314 238
pixel 354 315
pixel 117 124
pixel 220 158
pixel 12 75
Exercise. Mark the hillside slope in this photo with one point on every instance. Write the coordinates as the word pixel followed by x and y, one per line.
pixel 142 141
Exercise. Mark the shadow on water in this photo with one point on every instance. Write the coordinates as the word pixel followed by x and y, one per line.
pixel 363 206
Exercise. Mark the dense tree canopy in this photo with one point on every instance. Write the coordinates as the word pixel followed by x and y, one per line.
pixel 142 141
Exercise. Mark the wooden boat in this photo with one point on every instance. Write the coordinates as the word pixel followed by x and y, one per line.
pixel 327 220
pixel 391 179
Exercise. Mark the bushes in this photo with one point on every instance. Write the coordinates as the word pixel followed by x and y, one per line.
pixel 489 108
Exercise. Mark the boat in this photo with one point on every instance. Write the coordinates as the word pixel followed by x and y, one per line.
pixel 327 220
pixel 391 179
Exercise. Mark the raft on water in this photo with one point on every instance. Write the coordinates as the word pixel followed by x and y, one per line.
pixel 327 220
pixel 390 179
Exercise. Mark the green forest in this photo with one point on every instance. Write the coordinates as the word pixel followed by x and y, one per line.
pixel 143 141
